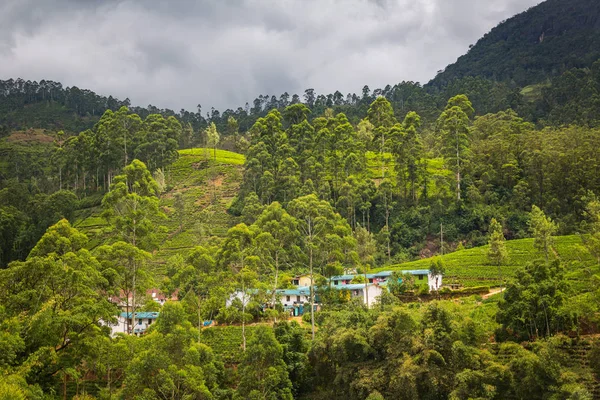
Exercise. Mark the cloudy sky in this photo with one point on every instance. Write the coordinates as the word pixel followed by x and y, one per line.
pixel 222 53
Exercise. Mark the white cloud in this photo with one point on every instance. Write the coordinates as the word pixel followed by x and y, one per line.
pixel 180 53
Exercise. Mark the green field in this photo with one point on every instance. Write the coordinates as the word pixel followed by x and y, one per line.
pixel 470 267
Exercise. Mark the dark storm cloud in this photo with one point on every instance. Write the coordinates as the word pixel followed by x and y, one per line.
pixel 179 53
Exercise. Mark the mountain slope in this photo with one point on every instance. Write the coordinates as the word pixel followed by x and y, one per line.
pixel 530 47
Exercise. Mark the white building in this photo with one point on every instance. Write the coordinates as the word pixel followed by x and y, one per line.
pixel 138 325
pixel 368 293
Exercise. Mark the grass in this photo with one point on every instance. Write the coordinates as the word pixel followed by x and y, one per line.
pixel 470 267
pixel 532 93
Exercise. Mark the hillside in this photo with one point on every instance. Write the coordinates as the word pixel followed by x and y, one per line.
pixel 470 267
pixel 207 187
pixel 533 46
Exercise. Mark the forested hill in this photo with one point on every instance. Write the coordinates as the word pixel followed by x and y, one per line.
pixel 542 42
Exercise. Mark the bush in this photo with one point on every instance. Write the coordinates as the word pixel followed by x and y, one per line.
pixel 474 290
pixel 423 290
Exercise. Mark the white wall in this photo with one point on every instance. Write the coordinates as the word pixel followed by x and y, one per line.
pixel 373 292
pixel 432 282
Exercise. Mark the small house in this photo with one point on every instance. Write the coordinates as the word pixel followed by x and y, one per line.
pixel 368 293
pixel 301 280
pixel 138 325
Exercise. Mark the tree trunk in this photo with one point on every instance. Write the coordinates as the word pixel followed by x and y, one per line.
pixel 244 318
pixel 457 170
pixel 312 293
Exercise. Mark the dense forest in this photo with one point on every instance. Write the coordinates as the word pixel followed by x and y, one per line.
pixel 534 46
pixel 488 179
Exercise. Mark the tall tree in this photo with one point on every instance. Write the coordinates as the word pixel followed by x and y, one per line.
pixel 497 253
pixel 277 239
pixel 56 299
pixel 542 228
pixel 381 115
pixel 454 126
pixel 233 129
pixel 315 221
pixel 263 373
pixel 212 138
pixel 366 246
pixel 131 205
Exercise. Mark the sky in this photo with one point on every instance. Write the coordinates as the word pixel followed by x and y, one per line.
pixel 223 53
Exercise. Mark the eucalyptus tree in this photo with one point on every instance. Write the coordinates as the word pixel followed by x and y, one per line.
pixel 454 126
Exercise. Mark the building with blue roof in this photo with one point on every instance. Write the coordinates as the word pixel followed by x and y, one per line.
pixel 138 325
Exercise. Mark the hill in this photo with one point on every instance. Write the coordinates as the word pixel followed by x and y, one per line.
pixel 470 267
pixel 542 42
pixel 207 185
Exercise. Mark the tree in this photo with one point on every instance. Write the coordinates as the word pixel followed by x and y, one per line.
pixel 592 239
pixel 542 228
pixel 213 138
pixel 276 239
pixel 246 281
pixel 366 247
pixel 381 115
pixel 233 128
pixel 131 205
pixel 497 253
pixel 437 268
pixel 263 373
pixel 534 302
pixel 385 193
pixel 56 298
pixel 315 221
pixel 453 124
pixel 169 363
pixel 125 264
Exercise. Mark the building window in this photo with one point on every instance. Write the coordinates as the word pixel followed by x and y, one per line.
pixel 149 321
pixel 139 321
pixel 370 280
pixel 298 299
pixel 421 277
pixel 295 282
pixel 335 282
pixel 287 298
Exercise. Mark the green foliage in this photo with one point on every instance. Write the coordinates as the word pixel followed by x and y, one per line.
pixel 548 50
pixel 542 228
pixel 131 204
pixel 497 253
pixel 55 297
pixel 263 372
pixel 534 303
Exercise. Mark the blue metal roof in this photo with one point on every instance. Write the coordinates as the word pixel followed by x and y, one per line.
pixel 382 274
pixel 294 292
pixel 415 271
pixel 352 286
pixel 141 315
pixel 342 277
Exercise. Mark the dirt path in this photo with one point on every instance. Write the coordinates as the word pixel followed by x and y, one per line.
pixel 493 292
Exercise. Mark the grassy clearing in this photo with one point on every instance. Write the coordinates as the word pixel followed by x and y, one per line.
pixel 532 93
pixel 470 267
